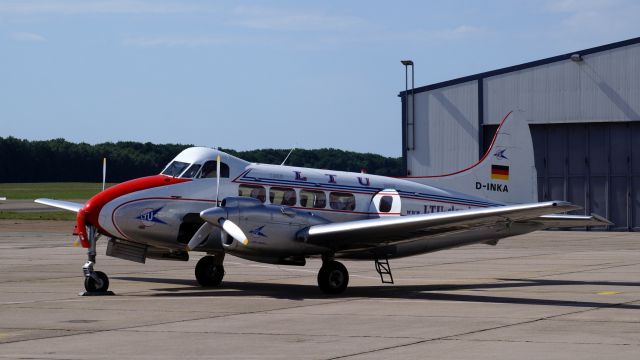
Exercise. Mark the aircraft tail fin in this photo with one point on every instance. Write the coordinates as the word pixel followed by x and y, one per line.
pixel 506 173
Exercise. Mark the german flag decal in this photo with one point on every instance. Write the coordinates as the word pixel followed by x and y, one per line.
pixel 500 172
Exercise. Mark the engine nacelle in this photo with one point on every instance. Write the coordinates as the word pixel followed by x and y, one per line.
pixel 270 230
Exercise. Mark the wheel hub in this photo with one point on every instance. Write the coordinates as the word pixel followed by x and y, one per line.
pixel 336 278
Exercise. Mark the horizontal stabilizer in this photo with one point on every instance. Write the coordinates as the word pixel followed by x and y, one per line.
pixel 66 205
pixel 569 221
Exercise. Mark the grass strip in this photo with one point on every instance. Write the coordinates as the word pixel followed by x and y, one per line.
pixel 60 191
pixel 37 215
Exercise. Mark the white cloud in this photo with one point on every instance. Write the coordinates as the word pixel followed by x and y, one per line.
pixel 175 41
pixel 69 7
pixel 27 37
pixel 600 17
pixel 256 17
pixel 573 6
pixel 460 32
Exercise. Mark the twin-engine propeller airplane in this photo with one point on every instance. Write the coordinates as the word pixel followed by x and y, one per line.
pixel 283 215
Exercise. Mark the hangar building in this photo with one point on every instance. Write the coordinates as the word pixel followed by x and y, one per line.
pixel 583 110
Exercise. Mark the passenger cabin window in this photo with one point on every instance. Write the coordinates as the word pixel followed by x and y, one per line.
pixel 386 203
pixel 282 196
pixel 254 191
pixel 191 171
pixel 175 168
pixel 313 199
pixel 342 201
pixel 209 170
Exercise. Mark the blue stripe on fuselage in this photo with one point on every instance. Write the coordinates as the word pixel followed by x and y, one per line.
pixel 361 189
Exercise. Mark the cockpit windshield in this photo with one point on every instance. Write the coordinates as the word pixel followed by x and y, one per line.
pixel 175 168
pixel 191 172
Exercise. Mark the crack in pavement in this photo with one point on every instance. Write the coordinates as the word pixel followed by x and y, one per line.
pixel 278 334
pixel 545 342
pixel 453 337
pixel 182 320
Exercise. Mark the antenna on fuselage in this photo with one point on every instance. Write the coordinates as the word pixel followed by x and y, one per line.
pixel 289 154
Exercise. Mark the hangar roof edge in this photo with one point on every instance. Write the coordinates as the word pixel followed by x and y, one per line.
pixel 524 66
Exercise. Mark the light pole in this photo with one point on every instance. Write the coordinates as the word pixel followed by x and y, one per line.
pixel 407 63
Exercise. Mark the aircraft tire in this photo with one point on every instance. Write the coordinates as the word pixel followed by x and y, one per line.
pixel 333 278
pixel 208 273
pixel 91 285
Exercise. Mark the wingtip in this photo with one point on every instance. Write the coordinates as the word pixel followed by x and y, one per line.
pixel 601 219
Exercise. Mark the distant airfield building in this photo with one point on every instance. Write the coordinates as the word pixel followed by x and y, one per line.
pixel 583 109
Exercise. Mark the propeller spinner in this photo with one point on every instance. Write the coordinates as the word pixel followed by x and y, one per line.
pixel 217 217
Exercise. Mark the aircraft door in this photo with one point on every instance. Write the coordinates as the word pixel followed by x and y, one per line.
pixel 385 203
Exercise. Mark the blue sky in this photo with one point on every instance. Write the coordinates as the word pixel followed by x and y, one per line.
pixel 254 74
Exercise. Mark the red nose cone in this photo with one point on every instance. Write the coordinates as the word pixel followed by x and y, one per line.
pixel 88 215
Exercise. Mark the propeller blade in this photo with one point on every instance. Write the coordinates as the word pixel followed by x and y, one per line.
pixel 217 178
pixel 234 231
pixel 200 236
pixel 104 172
pixel 216 217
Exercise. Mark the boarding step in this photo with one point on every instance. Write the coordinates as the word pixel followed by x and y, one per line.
pixel 384 270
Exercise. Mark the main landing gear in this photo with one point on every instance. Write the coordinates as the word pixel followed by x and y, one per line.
pixel 333 277
pixel 95 282
pixel 210 271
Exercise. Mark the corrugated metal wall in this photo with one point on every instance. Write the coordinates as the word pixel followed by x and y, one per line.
pixel 603 87
pixel 446 129
pixel 585 118
pixel 594 165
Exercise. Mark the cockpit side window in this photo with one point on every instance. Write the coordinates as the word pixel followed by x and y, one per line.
pixel 191 172
pixel 175 168
pixel 209 170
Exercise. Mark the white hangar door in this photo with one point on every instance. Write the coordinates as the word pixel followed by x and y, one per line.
pixel 595 165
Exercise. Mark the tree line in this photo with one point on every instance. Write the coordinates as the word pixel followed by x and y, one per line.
pixel 58 160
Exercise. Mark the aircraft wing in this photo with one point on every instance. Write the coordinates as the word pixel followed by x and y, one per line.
pixel 66 205
pixel 389 230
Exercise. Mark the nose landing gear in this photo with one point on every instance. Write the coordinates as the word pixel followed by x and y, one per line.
pixel 95 282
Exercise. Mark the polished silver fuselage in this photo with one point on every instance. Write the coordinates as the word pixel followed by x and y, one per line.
pixel 165 217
